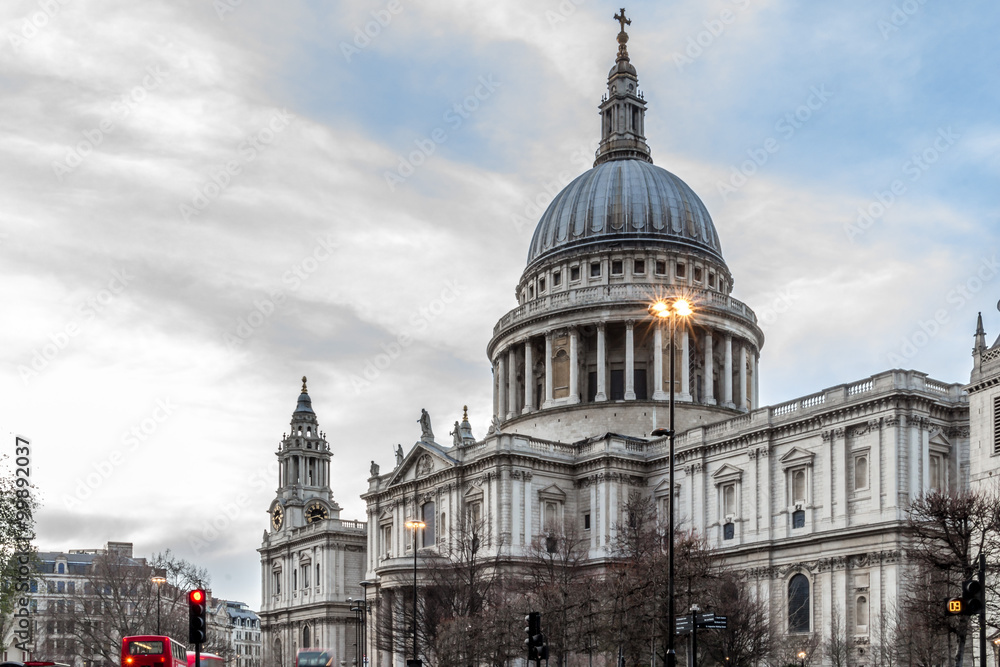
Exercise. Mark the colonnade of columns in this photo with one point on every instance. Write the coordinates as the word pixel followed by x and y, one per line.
pixel 304 471
pixel 703 355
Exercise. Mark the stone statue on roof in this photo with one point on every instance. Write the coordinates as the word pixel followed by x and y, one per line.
pixel 426 433
pixel 399 455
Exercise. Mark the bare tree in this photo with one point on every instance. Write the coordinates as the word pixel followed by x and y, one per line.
pixel 836 648
pixel 949 531
pixel 748 639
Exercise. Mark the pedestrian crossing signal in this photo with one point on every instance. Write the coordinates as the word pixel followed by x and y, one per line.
pixel 955 607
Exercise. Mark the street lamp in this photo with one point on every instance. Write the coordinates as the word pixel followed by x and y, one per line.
pixel 996 650
pixel 364 622
pixel 414 525
pixel 670 310
pixel 159 577
pixel 802 658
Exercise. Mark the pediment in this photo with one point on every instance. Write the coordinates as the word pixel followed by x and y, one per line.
pixel 661 488
pixel 939 441
pixel 552 492
pixel 797 456
pixel 423 460
pixel 727 473
pixel 474 492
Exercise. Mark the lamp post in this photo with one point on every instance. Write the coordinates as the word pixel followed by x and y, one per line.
pixel 802 658
pixel 996 650
pixel 670 310
pixel 366 610
pixel 415 525
pixel 158 578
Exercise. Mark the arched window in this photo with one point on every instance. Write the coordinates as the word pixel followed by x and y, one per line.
pixel 305 637
pixel 799 486
pixel 862 611
pixel 798 603
pixel 427 512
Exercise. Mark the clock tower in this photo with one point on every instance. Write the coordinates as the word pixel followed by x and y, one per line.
pixel 304 494
pixel 312 562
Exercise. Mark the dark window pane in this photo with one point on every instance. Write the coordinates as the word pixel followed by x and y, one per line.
pixel 728 531
pixel 798 604
pixel 639 377
pixel 799 519
pixel 617 385
pixel 591 386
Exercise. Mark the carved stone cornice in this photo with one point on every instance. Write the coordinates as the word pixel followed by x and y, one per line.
pixel 957 432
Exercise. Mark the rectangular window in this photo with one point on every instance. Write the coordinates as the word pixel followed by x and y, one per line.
pixel 617 385
pixel 591 386
pixel 798 485
pixel 937 477
pixel 711 280
pixel 574 273
pixel 661 267
pixel 541 285
pixel 639 267
pixel 861 472
pixel 556 278
pixel 799 519
pixel 595 269
pixel 61 587
pixel 639 383
pixel 996 424
pixel 697 274
pixel 586 521
pixel 728 531
pixel 681 271
pixel 617 267
pixel 386 540
pixel 729 500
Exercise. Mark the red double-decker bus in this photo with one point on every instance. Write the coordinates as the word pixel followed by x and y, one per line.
pixel 153 651
pixel 207 660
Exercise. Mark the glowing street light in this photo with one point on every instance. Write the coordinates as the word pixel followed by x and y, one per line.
pixel 670 310
pixel 802 658
pixel 159 578
pixel 415 525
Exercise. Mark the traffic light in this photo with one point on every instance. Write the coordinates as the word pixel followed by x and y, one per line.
pixel 973 597
pixel 197 606
pixel 955 607
pixel 535 641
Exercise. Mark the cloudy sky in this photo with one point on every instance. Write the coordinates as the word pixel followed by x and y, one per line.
pixel 203 201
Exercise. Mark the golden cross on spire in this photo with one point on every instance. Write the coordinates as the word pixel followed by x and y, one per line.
pixel 304 385
pixel 622 20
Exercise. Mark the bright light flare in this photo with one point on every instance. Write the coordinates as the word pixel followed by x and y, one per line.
pixel 415 524
pixel 663 308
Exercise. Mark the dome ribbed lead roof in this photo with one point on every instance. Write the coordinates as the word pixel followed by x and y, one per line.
pixel 624 200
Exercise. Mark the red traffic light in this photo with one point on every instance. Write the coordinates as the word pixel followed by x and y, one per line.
pixel 196 596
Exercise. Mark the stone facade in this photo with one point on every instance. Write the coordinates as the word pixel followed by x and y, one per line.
pixel 807 497
pixel 312 561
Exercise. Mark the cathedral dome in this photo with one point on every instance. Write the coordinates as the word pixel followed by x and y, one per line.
pixel 625 200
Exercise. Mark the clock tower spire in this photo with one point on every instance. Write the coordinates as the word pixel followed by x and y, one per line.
pixel 304 494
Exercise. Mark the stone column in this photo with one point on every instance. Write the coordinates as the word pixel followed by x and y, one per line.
pixel 529 378
pixel 629 361
pixel 685 367
pixel 709 398
pixel 548 370
pixel 526 494
pixel 658 393
pixel 602 368
pixel 574 365
pixel 501 393
pixel 727 382
pixel 743 377
pixel 511 382
pixel 756 383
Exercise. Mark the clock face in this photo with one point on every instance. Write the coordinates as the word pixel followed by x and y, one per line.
pixel 315 512
pixel 277 516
